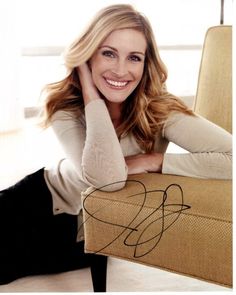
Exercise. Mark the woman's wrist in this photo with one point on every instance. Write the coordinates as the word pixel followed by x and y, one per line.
pixel 89 90
pixel 143 163
pixel 155 162
pixel 89 98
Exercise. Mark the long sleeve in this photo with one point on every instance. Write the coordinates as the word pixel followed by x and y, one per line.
pixel 92 146
pixel 209 148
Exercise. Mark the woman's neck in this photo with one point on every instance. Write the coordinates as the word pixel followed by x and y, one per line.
pixel 114 110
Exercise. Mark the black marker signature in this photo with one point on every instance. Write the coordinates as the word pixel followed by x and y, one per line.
pixel 137 231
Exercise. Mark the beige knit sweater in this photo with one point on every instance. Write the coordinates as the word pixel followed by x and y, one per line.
pixel 95 156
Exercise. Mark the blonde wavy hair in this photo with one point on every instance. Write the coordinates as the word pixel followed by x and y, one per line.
pixel 148 107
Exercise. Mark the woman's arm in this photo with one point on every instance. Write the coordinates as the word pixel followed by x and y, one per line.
pixel 209 150
pixel 209 147
pixel 102 159
pixel 92 145
pixel 94 149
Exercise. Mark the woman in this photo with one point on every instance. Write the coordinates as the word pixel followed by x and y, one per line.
pixel 113 117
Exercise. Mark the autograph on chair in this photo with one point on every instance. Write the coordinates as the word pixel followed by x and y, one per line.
pixel 146 220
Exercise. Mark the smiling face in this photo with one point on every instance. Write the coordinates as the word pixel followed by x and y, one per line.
pixel 117 65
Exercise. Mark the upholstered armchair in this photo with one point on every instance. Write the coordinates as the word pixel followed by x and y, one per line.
pixel 179 224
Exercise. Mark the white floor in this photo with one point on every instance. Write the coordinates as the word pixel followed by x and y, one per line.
pixel 31 148
pixel 123 276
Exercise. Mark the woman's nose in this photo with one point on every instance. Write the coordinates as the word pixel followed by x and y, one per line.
pixel 120 69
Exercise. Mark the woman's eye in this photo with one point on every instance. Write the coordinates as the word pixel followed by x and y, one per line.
pixel 135 58
pixel 108 53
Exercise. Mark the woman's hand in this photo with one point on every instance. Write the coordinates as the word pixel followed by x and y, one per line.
pixel 89 90
pixel 144 163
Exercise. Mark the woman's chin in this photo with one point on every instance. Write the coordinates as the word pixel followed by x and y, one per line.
pixel 113 98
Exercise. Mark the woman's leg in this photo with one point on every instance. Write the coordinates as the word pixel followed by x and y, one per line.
pixel 32 239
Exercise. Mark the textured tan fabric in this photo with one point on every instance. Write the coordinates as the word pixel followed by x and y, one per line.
pixel 194 241
pixel 214 91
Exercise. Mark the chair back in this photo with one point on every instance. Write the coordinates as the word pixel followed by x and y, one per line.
pixel 214 91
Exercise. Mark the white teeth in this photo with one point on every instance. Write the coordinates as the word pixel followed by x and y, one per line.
pixel 116 83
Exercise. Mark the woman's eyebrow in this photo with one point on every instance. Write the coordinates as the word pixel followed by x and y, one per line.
pixel 113 48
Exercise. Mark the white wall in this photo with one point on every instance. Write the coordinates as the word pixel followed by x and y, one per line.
pixel 11 110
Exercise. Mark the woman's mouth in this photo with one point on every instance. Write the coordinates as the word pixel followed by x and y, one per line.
pixel 116 84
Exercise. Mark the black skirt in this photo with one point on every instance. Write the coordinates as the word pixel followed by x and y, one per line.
pixel 32 240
